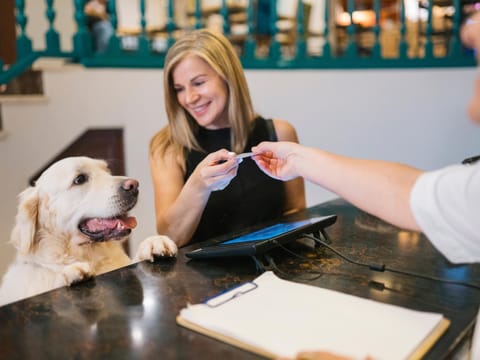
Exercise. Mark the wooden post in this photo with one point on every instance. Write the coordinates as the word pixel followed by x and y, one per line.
pixel 8 50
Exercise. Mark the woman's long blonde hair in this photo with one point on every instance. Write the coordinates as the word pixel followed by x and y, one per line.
pixel 218 52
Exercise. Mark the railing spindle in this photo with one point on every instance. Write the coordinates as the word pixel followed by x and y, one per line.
pixel 376 30
pixel 351 51
pixel 274 51
pixel 198 14
pixel 114 47
pixel 52 37
pixel 301 44
pixel 143 44
pixel 170 27
pixel 225 20
pixel 428 31
pixel 455 46
pixel 249 53
pixel 327 51
pixel 24 44
pixel 82 40
pixel 403 46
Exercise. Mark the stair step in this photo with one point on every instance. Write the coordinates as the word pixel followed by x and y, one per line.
pixel 30 82
pixel 23 98
pixel 55 64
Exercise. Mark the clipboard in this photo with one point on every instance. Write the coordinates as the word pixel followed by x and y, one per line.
pixel 312 318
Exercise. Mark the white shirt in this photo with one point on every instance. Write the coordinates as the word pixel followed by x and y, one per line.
pixel 446 206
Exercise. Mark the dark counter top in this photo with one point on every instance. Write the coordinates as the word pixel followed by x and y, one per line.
pixel 130 313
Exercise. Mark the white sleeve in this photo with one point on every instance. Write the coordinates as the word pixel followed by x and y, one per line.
pixel 446 206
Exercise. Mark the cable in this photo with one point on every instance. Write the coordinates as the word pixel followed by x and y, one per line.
pixel 272 266
pixel 383 268
pixel 316 273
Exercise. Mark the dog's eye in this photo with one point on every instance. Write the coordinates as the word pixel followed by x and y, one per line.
pixel 80 179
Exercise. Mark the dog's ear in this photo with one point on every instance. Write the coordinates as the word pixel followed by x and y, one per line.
pixel 23 233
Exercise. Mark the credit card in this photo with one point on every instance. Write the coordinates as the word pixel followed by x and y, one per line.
pixel 244 155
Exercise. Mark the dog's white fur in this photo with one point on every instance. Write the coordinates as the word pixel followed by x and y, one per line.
pixel 51 250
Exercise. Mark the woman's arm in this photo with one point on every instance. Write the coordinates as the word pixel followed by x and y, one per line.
pixel 294 189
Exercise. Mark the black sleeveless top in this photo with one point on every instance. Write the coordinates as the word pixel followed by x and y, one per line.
pixel 251 197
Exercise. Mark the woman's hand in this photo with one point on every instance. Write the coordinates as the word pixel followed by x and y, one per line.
pixel 215 172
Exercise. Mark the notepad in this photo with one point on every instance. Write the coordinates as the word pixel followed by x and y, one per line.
pixel 274 317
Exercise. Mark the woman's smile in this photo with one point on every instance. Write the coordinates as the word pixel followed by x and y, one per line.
pixel 199 110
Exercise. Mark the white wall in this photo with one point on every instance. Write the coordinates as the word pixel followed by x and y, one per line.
pixel 412 116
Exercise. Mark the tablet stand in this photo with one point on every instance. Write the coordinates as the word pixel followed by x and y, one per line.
pixel 265 262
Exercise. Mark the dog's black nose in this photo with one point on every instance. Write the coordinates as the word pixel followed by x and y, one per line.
pixel 130 185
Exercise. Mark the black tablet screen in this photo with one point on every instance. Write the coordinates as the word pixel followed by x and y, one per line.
pixel 269 232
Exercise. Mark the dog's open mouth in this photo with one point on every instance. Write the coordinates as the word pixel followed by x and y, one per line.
pixel 103 229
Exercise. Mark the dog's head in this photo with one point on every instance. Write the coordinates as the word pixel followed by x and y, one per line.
pixel 76 198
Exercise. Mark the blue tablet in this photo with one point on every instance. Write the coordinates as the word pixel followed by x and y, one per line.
pixel 261 240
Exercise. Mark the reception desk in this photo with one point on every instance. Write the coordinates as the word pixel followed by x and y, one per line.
pixel 130 313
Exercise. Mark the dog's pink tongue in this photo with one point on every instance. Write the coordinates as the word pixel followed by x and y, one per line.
pixel 129 222
pixel 121 222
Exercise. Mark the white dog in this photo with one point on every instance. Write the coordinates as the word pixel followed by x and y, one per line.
pixel 70 227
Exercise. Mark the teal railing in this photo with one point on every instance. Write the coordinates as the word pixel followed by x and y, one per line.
pixel 387 37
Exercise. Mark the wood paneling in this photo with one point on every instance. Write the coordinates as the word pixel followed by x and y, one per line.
pixel 8 52
pixel 106 144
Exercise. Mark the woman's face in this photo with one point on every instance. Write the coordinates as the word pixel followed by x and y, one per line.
pixel 201 92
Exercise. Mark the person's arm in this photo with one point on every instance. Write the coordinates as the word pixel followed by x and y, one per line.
pixel 378 187
pixel 179 205
pixel 295 188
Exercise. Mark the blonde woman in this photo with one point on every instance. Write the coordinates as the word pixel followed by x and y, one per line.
pixel 201 189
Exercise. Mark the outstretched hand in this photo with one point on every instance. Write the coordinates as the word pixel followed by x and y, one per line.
pixel 275 159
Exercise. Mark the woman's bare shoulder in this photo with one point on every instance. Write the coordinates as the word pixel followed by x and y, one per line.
pixel 285 130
